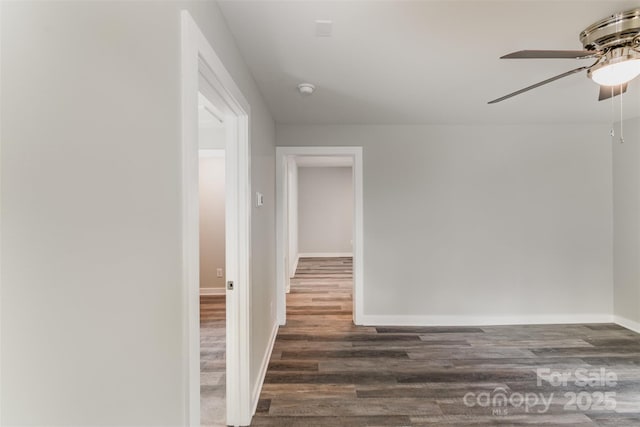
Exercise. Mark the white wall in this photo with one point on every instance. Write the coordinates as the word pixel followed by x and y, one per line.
pixel 211 137
pixel 510 222
pixel 212 221
pixel 325 209
pixel 626 220
pixel 292 208
pixel 91 273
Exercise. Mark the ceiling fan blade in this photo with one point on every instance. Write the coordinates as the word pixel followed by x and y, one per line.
pixel 544 82
pixel 607 92
pixel 551 54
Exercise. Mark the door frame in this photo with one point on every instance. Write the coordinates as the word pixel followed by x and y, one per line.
pixel 198 59
pixel 282 223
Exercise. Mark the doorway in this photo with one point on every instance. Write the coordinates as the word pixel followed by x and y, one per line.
pixel 211 186
pixel 206 84
pixel 288 161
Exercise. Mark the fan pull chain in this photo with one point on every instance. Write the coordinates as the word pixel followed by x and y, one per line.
pixel 613 112
pixel 612 132
pixel 621 123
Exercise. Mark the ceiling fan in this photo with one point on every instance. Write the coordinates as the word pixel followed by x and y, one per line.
pixel 614 44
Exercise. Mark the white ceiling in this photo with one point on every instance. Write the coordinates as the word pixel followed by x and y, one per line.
pixel 406 62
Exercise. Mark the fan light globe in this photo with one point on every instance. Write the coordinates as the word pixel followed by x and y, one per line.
pixel 617 73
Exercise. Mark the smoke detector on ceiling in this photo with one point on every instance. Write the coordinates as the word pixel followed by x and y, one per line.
pixel 306 89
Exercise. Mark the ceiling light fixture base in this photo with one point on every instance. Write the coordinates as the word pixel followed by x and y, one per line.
pixel 615 30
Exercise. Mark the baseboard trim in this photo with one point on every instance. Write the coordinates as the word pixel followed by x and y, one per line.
pixel 325 255
pixel 627 323
pixel 255 396
pixel 295 267
pixel 390 320
pixel 212 291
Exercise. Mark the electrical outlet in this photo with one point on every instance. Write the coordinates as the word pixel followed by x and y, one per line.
pixel 219 272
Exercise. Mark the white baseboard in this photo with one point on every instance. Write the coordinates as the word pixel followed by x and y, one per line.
pixel 325 254
pixel 255 396
pixel 392 320
pixel 212 291
pixel 295 266
pixel 629 324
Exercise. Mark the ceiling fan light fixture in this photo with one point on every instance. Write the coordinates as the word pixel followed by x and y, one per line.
pixel 617 67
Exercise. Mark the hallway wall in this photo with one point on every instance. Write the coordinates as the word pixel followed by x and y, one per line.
pixel 292 208
pixel 91 305
pixel 325 210
pixel 212 221
pixel 626 224
pixel 498 224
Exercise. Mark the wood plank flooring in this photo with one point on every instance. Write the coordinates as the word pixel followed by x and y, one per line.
pixel 212 361
pixel 327 372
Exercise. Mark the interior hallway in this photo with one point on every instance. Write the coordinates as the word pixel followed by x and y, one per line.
pixel 326 372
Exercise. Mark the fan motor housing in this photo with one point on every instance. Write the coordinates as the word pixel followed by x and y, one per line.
pixel 616 30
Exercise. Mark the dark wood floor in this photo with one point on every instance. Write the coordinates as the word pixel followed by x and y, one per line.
pixel 212 361
pixel 327 372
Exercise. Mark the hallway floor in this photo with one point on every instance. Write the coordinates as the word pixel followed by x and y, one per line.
pixel 326 372
pixel 212 361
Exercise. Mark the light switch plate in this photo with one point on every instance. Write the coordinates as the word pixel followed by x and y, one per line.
pixel 259 199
